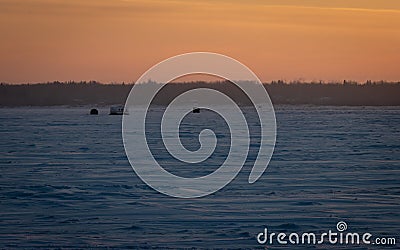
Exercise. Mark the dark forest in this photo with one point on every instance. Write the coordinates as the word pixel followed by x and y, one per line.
pixel 295 93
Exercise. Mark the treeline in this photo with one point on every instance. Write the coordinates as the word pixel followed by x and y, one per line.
pixel 338 94
pixel 60 93
pixel 94 93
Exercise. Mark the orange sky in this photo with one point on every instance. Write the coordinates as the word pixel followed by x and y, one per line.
pixel 117 40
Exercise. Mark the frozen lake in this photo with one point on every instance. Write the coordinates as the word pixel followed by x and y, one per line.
pixel 65 182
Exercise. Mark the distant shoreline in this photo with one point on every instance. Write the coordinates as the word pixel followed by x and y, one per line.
pixel 93 93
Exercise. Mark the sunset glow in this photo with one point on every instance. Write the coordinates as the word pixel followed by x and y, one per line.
pixel 115 41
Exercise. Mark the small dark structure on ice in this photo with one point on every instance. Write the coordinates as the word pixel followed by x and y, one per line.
pixel 94 112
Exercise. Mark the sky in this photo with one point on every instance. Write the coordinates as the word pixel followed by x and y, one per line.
pixel 118 40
